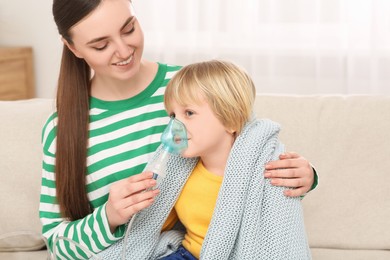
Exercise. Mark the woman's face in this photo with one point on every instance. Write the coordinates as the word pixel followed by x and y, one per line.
pixel 110 40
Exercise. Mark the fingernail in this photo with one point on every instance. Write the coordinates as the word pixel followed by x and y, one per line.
pixel 267 174
pixel 152 182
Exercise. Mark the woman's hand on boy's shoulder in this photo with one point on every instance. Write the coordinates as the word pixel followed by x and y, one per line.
pixel 291 170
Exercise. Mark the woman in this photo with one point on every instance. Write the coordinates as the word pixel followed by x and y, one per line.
pixel 106 126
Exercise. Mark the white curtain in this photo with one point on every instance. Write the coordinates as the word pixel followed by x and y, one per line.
pixel 287 46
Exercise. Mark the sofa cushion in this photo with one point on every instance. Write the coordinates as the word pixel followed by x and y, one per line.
pixel 347 138
pixel 30 255
pixel 20 170
pixel 343 254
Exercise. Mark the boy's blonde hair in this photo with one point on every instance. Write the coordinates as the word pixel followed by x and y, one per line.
pixel 227 88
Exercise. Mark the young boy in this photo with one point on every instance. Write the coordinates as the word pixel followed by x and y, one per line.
pixel 214 101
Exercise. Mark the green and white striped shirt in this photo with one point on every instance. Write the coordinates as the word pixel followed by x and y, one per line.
pixel 122 137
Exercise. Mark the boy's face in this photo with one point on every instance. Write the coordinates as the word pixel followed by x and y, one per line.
pixel 207 136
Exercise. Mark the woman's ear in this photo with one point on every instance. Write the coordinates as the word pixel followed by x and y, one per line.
pixel 71 48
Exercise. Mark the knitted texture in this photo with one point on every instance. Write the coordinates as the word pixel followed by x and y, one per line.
pixel 252 219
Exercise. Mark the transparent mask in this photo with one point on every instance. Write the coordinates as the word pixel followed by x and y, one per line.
pixel 174 137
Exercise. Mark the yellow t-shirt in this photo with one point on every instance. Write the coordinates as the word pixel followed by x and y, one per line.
pixel 195 207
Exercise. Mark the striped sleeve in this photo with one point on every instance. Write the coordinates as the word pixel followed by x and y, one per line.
pixel 90 234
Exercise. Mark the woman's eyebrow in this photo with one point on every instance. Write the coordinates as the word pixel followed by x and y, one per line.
pixel 131 18
pixel 97 39
pixel 105 37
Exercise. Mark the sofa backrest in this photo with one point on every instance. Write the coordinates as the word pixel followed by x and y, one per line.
pixel 347 139
pixel 20 172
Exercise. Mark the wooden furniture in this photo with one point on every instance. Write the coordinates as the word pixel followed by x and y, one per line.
pixel 16 73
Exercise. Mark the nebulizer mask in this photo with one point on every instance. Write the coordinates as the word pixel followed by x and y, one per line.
pixel 174 137
pixel 174 141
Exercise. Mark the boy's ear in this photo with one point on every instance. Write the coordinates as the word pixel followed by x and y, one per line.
pixel 232 131
pixel 71 48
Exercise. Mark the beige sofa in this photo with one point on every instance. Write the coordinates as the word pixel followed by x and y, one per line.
pixel 347 138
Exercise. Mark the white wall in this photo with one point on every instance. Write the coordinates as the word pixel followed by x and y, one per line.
pixel 30 23
pixel 285 52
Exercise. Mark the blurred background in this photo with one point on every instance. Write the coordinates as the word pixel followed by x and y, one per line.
pixel 304 47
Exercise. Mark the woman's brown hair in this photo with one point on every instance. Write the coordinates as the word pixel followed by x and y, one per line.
pixel 73 114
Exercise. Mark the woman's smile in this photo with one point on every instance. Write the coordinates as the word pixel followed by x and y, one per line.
pixel 125 62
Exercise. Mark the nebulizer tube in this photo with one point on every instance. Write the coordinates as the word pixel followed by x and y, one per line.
pixel 174 141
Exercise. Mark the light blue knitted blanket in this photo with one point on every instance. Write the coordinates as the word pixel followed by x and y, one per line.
pixel 252 219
